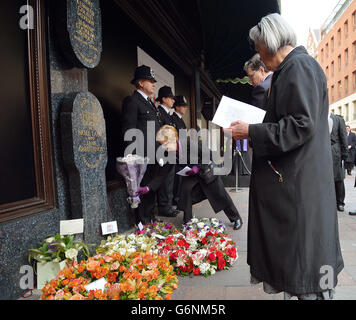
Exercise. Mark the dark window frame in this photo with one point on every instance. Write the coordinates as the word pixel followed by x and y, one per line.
pixel 39 100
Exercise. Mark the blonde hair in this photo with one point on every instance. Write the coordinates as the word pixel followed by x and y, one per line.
pixel 167 134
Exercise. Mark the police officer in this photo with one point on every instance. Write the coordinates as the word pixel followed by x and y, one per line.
pixel 165 192
pixel 138 110
pixel 180 107
pixel 166 101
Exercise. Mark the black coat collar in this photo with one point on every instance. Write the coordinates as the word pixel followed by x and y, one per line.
pixel 296 51
pixel 140 97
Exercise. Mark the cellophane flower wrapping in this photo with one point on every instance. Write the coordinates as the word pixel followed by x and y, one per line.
pixel 158 229
pixel 132 168
pixel 127 244
pixel 204 224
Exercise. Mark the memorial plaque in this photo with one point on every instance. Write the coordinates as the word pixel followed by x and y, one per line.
pixel 79 30
pixel 85 157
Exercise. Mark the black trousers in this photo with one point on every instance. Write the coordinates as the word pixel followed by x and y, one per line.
pixel 165 192
pixel 177 185
pixel 349 166
pixel 230 210
pixel 340 192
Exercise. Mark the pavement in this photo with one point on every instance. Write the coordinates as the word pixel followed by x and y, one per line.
pixel 234 284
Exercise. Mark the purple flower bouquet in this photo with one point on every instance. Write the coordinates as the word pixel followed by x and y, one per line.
pixel 132 168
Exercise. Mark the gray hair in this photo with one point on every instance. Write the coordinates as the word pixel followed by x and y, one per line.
pixel 274 33
pixel 255 63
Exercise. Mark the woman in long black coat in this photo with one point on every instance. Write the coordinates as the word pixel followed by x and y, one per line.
pixel 293 240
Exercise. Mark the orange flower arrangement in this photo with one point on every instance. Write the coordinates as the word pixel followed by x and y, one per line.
pixel 139 275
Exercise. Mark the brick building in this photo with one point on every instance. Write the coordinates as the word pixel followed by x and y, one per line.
pixel 337 56
pixel 312 42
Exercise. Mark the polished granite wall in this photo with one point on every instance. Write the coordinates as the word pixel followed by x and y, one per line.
pixel 16 236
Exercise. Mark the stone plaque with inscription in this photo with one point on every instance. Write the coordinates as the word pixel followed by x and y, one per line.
pixel 85 158
pixel 79 31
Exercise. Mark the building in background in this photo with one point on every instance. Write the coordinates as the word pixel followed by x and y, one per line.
pixel 337 56
pixel 313 42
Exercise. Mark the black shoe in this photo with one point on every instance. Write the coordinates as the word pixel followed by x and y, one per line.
pixel 238 224
pixel 170 213
pixel 352 213
pixel 340 208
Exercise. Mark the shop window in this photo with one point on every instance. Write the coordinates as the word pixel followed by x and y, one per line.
pixel 26 183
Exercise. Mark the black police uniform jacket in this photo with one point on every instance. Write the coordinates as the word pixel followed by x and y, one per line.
pixel 178 123
pixel 194 189
pixel 338 138
pixel 136 112
pixel 292 224
pixel 165 116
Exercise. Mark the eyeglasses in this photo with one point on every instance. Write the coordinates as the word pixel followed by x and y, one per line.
pixel 251 75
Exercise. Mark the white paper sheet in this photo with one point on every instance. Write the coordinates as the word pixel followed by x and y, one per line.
pixel 184 171
pixel 230 110
pixel 96 285
pixel 109 227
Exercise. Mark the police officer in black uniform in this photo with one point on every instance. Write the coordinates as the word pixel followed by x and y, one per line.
pixel 165 192
pixel 138 110
pixel 180 107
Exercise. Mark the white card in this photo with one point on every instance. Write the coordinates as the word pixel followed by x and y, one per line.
pixel 159 236
pixel 184 171
pixel 230 110
pixel 109 227
pixel 96 285
pixel 68 227
pixel 140 226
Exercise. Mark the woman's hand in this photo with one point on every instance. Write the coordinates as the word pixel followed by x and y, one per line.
pixel 193 171
pixel 142 190
pixel 238 130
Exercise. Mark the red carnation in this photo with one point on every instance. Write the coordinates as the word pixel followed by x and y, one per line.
pixel 221 263
pixel 212 256
pixel 219 254
pixel 231 252
pixel 181 243
pixel 183 268
pixel 196 271
pixel 169 240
